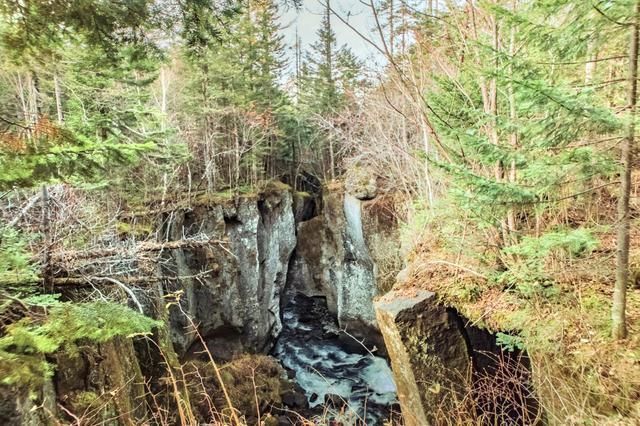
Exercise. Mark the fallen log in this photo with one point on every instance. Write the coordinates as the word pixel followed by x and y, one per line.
pixel 139 280
pixel 147 246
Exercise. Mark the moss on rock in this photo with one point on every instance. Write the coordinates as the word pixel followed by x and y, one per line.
pixel 248 380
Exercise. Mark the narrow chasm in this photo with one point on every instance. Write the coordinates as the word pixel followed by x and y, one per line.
pixel 502 388
pixel 339 377
pixel 342 381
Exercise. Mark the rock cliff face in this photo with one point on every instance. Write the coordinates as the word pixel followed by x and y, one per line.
pixel 225 265
pixel 19 407
pixel 428 352
pixel 231 289
pixel 83 380
pixel 438 359
pixel 99 383
pixel 338 253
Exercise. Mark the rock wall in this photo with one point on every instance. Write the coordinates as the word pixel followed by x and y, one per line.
pixel 230 289
pixel 438 359
pixel 102 383
pixel 338 254
pixel 428 352
pixel 97 383
pixel 224 264
pixel 20 407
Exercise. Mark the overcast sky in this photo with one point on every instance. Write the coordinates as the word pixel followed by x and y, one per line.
pixel 308 19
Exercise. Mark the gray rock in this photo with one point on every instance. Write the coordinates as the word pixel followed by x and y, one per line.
pixel 21 407
pixel 295 399
pixel 337 256
pixel 231 289
pixel 332 260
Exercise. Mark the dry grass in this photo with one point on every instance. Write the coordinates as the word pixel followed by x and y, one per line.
pixel 500 396
pixel 254 384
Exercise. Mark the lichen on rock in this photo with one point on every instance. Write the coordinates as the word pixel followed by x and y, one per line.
pixel 231 289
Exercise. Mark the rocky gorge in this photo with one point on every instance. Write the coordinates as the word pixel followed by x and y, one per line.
pixel 294 275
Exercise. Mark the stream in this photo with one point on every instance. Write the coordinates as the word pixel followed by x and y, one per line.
pixel 342 382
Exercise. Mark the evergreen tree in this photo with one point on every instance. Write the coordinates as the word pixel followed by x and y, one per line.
pixel 510 123
pixel 320 90
pixel 269 60
pixel 238 95
pixel 95 97
pixel 100 122
pixel 329 80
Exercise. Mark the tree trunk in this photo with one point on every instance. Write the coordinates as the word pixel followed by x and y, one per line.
pixel 427 151
pixel 493 131
pixel 58 96
pixel 513 136
pixel 332 163
pixel 618 311
pixel 391 27
pixel 23 100
pixel 592 57
pixel 47 269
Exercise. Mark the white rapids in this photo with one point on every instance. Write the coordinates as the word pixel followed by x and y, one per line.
pixel 350 386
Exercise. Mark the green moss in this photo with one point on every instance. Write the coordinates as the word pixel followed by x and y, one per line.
pixel 222 197
pixel 138 230
pixel 246 379
pixel 272 187
pixel 26 342
pixel 84 400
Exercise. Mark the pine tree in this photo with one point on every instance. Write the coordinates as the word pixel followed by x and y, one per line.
pixel 236 82
pixel 511 122
pixel 269 60
pixel 101 121
pixel 618 310
pixel 105 122
pixel 321 93
pixel 328 72
pixel 330 78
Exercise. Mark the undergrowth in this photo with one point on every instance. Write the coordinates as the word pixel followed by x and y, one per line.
pixel 549 294
pixel 51 325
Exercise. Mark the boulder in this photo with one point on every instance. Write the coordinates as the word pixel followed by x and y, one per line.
pixel 295 399
pixel 361 182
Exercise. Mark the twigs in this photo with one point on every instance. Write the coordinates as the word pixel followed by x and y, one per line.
pixel 141 280
pixel 194 327
pixel 127 290
pixel 458 266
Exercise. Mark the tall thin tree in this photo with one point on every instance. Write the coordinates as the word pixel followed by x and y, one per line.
pixel 618 311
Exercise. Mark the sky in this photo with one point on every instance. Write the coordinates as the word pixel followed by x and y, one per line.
pixel 308 18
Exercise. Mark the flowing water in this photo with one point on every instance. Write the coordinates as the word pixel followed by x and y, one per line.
pixel 333 374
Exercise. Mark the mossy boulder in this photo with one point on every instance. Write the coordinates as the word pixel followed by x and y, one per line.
pixel 361 182
pixel 254 383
